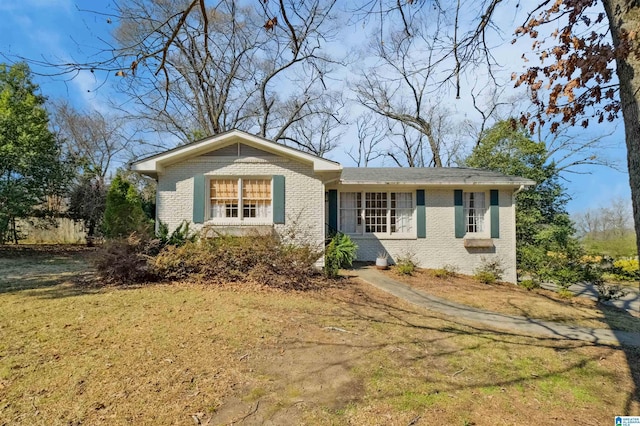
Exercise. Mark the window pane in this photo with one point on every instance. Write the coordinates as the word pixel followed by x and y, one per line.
pixel 224 198
pixel 401 211
pixel 350 208
pixel 256 198
pixel 375 212
pixel 474 211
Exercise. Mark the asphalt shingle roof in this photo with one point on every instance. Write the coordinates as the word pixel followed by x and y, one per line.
pixel 428 176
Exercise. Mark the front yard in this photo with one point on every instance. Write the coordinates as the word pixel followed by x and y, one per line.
pixel 196 354
pixel 513 300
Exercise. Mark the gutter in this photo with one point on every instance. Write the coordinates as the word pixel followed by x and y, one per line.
pixel 432 183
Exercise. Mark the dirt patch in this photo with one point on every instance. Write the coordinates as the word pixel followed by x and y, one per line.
pixel 510 299
pixel 293 380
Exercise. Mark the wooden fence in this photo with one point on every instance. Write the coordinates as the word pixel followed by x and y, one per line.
pixel 59 231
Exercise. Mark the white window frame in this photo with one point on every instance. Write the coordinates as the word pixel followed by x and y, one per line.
pixel 240 219
pixel 479 219
pixel 361 224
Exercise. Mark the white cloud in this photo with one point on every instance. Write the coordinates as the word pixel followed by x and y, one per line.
pixel 86 85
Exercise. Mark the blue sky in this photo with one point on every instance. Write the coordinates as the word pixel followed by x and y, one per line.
pixel 59 30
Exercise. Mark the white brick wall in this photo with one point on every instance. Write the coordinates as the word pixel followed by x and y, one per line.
pixel 305 208
pixel 304 192
pixel 440 247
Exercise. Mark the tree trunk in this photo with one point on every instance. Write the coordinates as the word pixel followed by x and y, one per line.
pixel 625 14
pixel 14 230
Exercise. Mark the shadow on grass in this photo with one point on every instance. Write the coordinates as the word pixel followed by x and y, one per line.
pixel 616 318
pixel 523 326
pixel 619 318
pixel 45 271
pixel 417 339
pixel 441 329
pixel 633 360
pixel 48 286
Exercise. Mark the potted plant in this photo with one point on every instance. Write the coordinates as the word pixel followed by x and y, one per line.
pixel 382 261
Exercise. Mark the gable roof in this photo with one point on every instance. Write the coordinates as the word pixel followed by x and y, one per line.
pixel 155 163
pixel 428 176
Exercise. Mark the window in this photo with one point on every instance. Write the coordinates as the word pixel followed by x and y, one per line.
pixel 381 212
pixel 375 212
pixel 256 198
pixel 227 195
pixel 350 208
pixel 401 212
pixel 474 211
pixel 224 198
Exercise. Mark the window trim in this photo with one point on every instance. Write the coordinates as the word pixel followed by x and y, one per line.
pixel 240 220
pixel 362 217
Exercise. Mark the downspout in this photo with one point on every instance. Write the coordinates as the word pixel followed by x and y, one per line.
pixel 513 210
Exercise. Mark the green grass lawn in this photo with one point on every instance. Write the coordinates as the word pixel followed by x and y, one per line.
pixel 186 353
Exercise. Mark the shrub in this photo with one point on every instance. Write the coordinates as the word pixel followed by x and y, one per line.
pixel 127 261
pixel 446 272
pixel 179 237
pixel 340 253
pixel 406 264
pixel 489 271
pixel 225 259
pixel 565 293
pixel 485 277
pixel 123 213
pixel 261 258
pixel 626 269
pixel 529 284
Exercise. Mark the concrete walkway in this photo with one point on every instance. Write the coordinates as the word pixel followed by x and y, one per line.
pixel 518 324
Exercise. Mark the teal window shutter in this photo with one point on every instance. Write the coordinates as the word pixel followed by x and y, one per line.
pixel 333 210
pixel 278 199
pixel 421 218
pixel 459 213
pixel 494 202
pixel 198 198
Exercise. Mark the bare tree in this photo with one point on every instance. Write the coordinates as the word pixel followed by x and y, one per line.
pixel 397 89
pixel 610 221
pixel 407 147
pixel 317 126
pixel 371 136
pixel 571 150
pixel 224 68
pixel 410 76
pixel 95 141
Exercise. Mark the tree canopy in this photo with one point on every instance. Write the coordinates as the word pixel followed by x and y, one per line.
pixel 31 168
pixel 543 227
pixel 587 65
pixel 123 214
